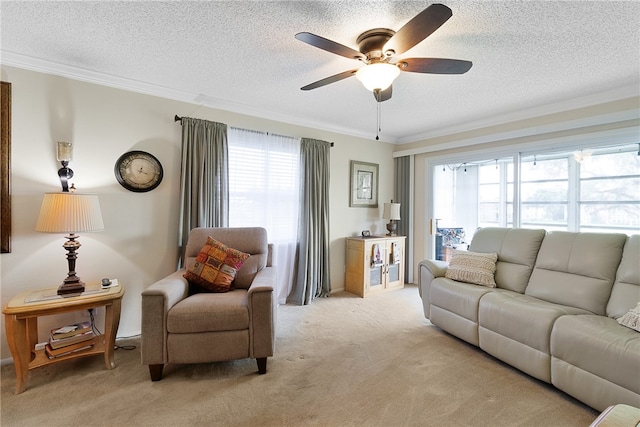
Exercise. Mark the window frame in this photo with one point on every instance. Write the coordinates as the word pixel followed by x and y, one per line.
pixel 615 138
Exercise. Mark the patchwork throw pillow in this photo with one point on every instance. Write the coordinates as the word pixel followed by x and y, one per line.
pixel 631 319
pixel 215 267
pixel 473 267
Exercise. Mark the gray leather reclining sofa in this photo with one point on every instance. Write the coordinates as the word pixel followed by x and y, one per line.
pixel 553 313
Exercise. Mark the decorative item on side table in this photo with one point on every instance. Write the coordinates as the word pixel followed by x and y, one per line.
pixel 70 213
pixel 364 185
pixel 392 213
pixel 138 171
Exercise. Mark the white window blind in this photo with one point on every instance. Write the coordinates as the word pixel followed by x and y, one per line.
pixel 264 192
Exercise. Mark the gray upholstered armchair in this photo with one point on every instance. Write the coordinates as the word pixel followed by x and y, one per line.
pixel 181 327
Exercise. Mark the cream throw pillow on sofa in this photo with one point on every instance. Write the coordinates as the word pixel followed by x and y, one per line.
pixel 631 319
pixel 473 267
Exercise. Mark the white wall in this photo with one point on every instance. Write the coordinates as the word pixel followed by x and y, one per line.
pixel 139 244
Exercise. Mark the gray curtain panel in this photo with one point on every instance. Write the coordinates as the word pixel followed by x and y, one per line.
pixel 311 276
pixel 204 178
pixel 403 196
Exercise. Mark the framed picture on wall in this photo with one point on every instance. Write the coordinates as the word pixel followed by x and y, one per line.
pixel 364 185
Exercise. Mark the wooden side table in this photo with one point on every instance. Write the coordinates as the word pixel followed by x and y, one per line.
pixel 21 325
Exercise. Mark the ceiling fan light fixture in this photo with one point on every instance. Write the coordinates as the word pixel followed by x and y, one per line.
pixel 379 75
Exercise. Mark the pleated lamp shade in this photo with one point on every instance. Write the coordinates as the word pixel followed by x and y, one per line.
pixel 70 213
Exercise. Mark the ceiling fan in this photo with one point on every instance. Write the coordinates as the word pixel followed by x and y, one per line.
pixel 377 48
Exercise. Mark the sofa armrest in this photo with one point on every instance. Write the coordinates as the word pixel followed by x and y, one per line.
pixel 157 300
pixel 428 270
pixel 262 313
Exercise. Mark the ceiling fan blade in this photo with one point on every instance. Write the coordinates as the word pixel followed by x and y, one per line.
pixel 329 80
pixel 382 95
pixel 419 28
pixel 329 45
pixel 435 65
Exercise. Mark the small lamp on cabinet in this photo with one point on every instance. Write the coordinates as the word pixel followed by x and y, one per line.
pixel 392 213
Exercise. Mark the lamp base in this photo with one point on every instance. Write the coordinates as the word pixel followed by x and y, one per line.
pixel 68 288
pixel 391 228
pixel 72 283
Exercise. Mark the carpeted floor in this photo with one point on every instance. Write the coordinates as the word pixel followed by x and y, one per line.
pixel 341 361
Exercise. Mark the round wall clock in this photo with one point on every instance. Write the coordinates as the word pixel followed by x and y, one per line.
pixel 138 171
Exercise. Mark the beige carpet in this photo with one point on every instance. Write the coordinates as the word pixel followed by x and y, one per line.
pixel 341 361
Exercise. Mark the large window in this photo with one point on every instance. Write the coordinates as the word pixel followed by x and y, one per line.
pixel 495 193
pixel 546 197
pixel 594 190
pixel 264 192
pixel 610 191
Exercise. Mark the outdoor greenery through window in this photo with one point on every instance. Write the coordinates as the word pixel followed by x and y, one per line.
pixel 596 190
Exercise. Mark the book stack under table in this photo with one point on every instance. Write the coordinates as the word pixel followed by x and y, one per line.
pixel 70 339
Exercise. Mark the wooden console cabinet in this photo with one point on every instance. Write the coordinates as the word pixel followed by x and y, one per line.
pixel 374 264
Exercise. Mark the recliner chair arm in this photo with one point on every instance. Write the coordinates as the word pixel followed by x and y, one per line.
pixel 428 270
pixel 262 301
pixel 157 300
pixel 435 267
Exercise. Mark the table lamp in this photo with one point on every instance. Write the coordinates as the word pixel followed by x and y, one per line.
pixel 392 213
pixel 70 213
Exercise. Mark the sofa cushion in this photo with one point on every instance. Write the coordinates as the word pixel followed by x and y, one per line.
pixel 626 288
pixel 577 269
pixel 517 249
pixel 473 267
pixel 209 312
pixel 597 344
pixel 215 266
pixel 459 298
pixel 521 318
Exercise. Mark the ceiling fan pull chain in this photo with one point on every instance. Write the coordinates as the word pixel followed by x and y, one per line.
pixel 378 121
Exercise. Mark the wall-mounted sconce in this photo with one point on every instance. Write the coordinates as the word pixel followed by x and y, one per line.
pixel 65 155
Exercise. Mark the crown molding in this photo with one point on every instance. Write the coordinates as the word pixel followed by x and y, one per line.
pixel 601 97
pixel 625 124
pixel 103 79
pixel 25 62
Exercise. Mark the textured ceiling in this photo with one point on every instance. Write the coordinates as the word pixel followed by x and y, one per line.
pixel 242 56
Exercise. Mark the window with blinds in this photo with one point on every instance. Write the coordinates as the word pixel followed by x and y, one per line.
pixel 263 182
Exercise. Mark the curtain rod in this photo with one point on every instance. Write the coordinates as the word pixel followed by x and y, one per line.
pixel 179 119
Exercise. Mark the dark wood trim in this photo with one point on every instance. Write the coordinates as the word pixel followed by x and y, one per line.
pixel 5 167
